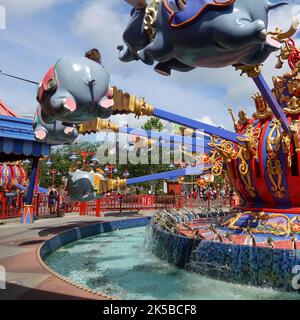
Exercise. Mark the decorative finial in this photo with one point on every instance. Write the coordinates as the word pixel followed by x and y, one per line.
pixel 263 110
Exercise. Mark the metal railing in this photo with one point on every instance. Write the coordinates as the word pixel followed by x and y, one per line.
pixel 11 207
pixel 123 203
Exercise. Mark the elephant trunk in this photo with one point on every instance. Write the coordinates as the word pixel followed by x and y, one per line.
pixel 125 54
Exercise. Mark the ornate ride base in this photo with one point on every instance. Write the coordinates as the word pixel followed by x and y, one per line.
pixel 209 247
pixel 259 242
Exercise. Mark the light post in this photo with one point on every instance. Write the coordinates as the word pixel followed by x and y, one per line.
pixel 73 157
pixel 172 166
pixel 27 163
pixel 49 163
pixel 126 174
pixel 94 160
pixel 84 154
pixel 53 172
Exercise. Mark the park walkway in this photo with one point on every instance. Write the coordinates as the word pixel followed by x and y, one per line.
pixel 26 278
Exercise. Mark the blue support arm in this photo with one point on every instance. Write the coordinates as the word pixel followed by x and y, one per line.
pixel 272 102
pixel 30 192
pixel 169 174
pixel 197 125
pixel 164 136
pixel 188 148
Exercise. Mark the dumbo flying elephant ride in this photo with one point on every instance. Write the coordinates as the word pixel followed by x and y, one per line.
pixel 74 90
pixel 184 34
pixel 259 242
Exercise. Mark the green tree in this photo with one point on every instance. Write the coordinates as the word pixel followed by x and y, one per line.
pixel 60 158
pixel 153 124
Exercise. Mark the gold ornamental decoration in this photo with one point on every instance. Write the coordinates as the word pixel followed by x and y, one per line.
pixel 124 103
pixel 292 101
pixel 224 151
pixel 216 162
pixel 284 37
pixel 224 148
pixel 276 224
pixel 251 71
pixel 295 128
pixel 263 110
pixel 150 19
pixel 274 171
pixel 244 155
pixel 274 168
pixel 286 146
pixel 293 105
pixel 280 36
pixel 106 185
pixel 252 140
pixel 97 125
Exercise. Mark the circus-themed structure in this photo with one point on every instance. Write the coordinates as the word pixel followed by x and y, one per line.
pixel 17 143
pixel 258 242
pixel 12 175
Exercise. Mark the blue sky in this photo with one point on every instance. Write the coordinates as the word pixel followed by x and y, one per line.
pixel 40 32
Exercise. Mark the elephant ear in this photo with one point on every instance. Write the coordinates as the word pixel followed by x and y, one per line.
pixel 48 84
pixel 192 10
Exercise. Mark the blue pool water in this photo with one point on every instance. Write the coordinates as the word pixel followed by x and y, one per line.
pixel 118 264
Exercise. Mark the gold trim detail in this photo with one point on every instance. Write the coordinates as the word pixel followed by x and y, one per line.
pixel 150 19
pixel 251 140
pixel 224 151
pixel 281 36
pixel 263 219
pixel 224 148
pixel 293 86
pixel 107 185
pixel 274 169
pixel 217 164
pixel 97 125
pixel 124 103
pixel 245 155
pixel 295 131
pixel 286 147
pixel 251 71
pixel 284 37
pixel 263 110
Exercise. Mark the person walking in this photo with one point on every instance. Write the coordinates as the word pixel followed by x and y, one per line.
pixel 52 200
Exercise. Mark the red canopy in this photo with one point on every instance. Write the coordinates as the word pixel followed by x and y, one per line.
pixel 6 111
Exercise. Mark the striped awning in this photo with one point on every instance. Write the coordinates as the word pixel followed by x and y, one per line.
pixel 17 140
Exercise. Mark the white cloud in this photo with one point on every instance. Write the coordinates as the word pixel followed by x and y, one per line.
pixel 22 8
pixel 207 120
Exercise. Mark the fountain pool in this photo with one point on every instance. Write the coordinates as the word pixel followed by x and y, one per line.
pixel 118 263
